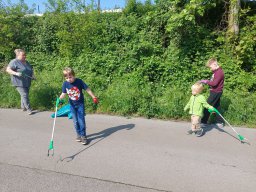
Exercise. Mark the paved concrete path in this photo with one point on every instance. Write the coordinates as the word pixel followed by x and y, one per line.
pixel 124 155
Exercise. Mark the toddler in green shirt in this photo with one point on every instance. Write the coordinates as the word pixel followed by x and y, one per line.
pixel 196 105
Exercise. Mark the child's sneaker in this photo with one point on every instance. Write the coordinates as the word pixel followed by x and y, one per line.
pixel 78 138
pixel 200 132
pixel 84 140
pixel 220 125
pixel 190 132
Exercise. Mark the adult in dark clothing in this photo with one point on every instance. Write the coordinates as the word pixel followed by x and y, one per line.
pixel 21 75
pixel 216 84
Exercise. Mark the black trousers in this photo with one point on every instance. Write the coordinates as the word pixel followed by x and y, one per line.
pixel 213 100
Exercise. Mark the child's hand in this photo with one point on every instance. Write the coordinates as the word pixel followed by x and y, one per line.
pixel 59 101
pixel 212 109
pixel 95 100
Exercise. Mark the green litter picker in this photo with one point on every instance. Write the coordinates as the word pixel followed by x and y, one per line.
pixel 240 137
pixel 51 147
pixel 23 74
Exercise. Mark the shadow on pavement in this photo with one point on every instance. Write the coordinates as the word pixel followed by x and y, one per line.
pixel 100 135
pixel 109 131
pixel 213 126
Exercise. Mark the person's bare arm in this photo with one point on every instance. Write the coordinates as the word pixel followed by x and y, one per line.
pixel 12 72
pixel 95 99
pixel 62 96
pixel 89 91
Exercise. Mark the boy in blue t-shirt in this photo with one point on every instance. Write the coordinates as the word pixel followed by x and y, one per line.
pixel 74 88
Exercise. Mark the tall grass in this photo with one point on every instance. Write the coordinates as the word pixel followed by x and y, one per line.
pixel 9 97
pixel 43 91
pixel 129 96
pixel 239 108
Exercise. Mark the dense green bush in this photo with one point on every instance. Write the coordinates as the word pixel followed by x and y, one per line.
pixel 9 97
pixel 140 62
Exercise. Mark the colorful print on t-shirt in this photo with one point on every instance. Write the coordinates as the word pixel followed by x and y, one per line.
pixel 73 93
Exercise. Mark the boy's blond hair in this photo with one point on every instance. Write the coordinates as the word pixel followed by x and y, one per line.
pixel 210 61
pixel 68 71
pixel 197 87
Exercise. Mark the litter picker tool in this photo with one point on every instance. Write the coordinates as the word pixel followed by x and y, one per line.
pixel 51 147
pixel 25 75
pixel 241 138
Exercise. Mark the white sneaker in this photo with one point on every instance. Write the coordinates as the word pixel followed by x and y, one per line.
pixel 220 125
pixel 84 140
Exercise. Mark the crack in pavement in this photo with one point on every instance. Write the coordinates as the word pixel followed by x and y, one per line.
pixel 85 177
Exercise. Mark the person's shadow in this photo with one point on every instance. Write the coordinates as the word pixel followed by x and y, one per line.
pixel 105 133
pixel 100 135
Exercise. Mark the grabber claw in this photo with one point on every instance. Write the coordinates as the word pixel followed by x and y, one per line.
pixel 51 148
pixel 49 152
pixel 241 138
pixel 244 140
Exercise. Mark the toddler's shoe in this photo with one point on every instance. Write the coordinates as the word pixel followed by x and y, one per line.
pixel 199 132
pixel 189 132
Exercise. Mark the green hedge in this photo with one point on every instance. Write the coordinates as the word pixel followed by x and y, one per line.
pixel 140 62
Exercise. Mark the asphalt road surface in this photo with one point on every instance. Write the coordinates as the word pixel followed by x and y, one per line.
pixel 124 155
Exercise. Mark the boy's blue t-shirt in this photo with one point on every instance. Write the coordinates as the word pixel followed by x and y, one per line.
pixel 75 91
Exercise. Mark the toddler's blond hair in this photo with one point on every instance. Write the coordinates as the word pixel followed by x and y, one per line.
pixel 197 87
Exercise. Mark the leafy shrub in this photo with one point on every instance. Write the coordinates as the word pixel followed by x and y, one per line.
pixel 138 62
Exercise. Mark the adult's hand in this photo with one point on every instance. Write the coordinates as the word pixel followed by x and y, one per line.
pixel 19 74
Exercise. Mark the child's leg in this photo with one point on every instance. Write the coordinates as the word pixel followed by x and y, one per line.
pixel 73 110
pixel 81 120
pixel 195 120
pixel 217 106
pixel 214 100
